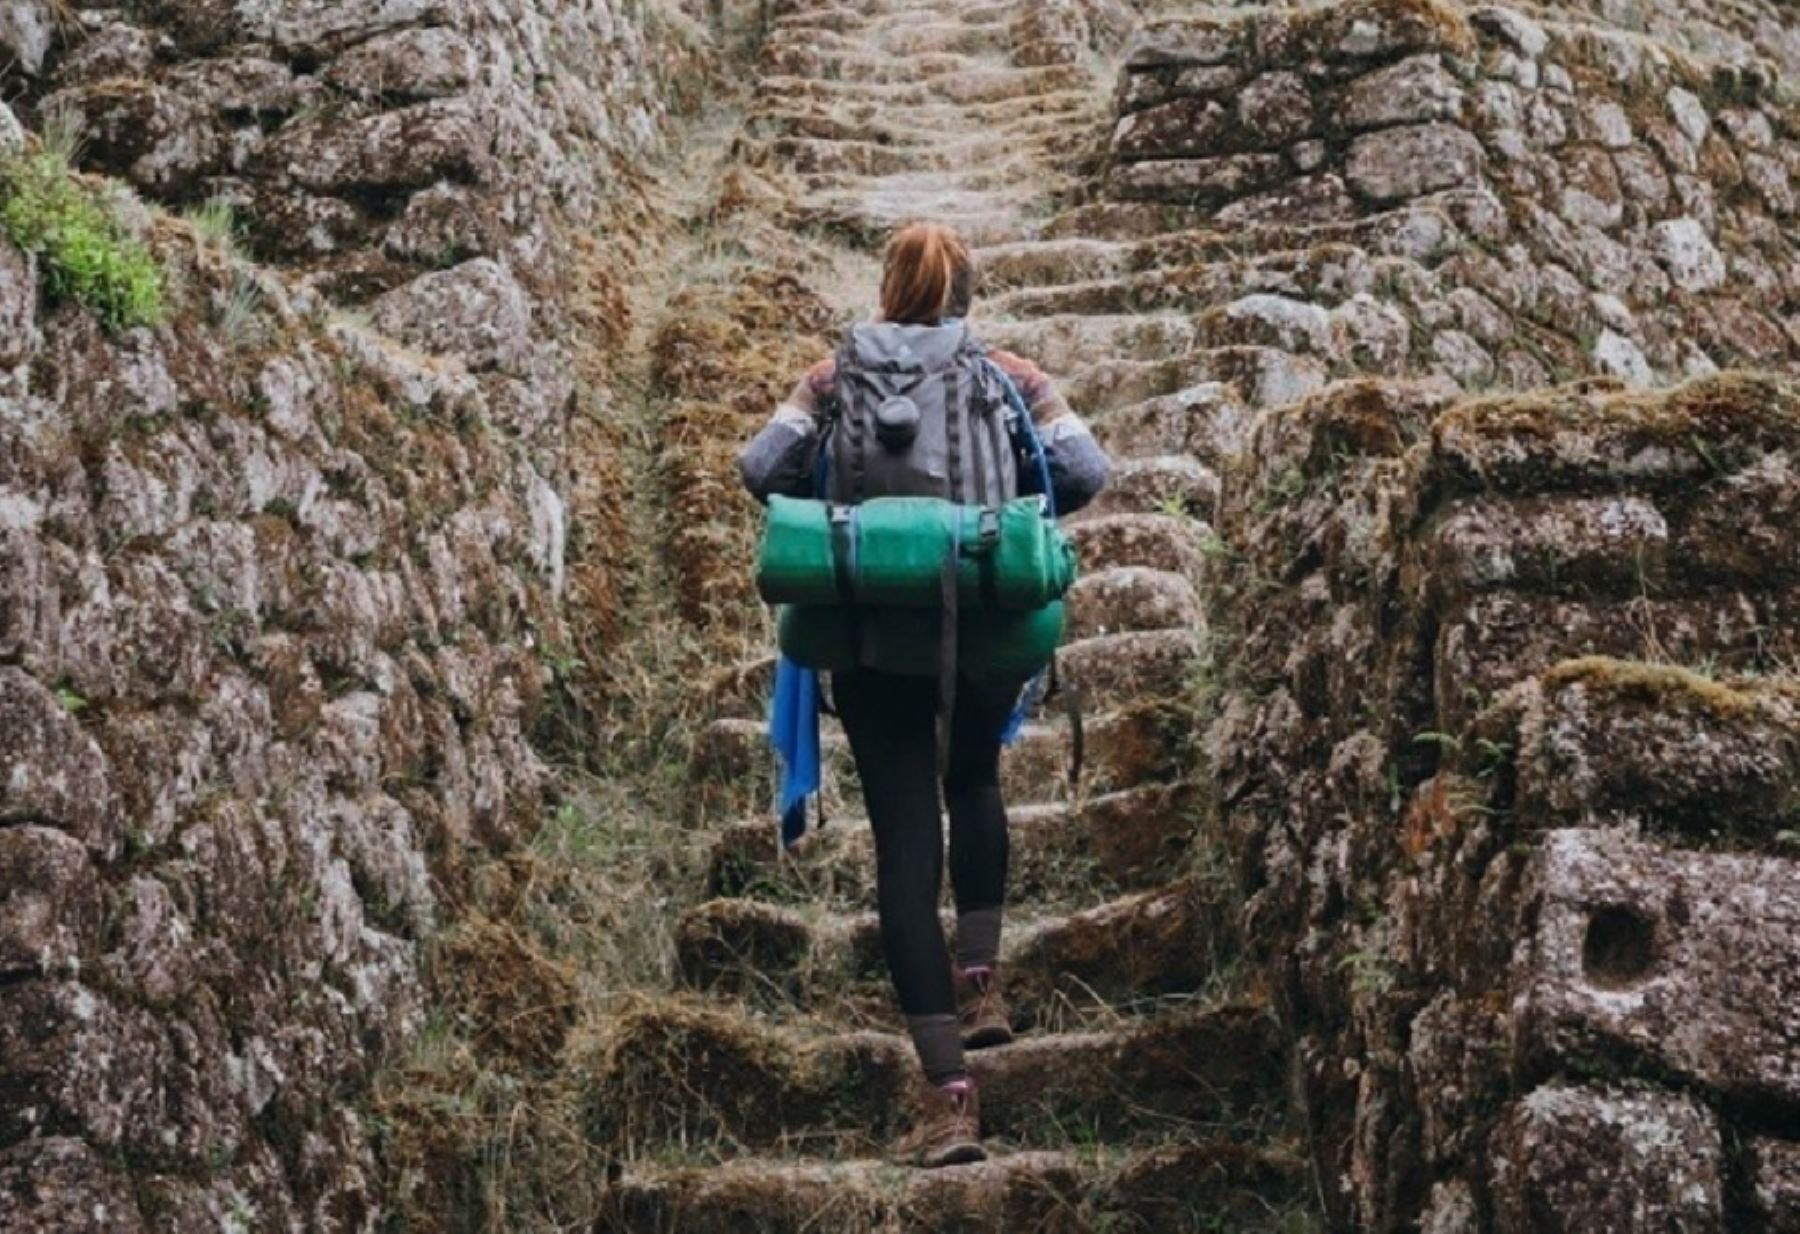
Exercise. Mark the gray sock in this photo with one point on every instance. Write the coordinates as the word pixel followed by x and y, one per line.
pixel 978 938
pixel 938 1039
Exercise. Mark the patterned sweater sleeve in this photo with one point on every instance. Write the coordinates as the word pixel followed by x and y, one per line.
pixel 1079 468
pixel 780 459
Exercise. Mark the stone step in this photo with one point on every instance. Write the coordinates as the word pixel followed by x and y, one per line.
pixel 905 197
pixel 1199 1184
pixel 1126 220
pixel 981 85
pixel 890 123
pixel 680 1073
pixel 1123 956
pixel 1007 155
pixel 1177 484
pixel 1132 598
pixel 866 15
pixel 867 224
pixel 1107 384
pixel 1179 289
pixel 1475 211
pixel 1060 853
pixel 1045 263
pixel 1170 542
pixel 1140 743
pixel 1208 421
pixel 915 128
pixel 1111 670
pixel 1321 279
pixel 1422 232
pixel 1070 341
pixel 994 181
pixel 1263 377
pixel 857 60
pixel 880 19
pixel 908 35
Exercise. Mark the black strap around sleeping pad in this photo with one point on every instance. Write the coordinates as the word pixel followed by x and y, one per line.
pixel 843 551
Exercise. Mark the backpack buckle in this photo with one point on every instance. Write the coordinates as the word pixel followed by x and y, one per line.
pixel 990 527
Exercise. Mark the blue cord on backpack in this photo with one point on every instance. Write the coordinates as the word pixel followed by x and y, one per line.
pixel 1028 430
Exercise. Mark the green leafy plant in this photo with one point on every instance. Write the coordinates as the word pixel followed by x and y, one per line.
pixel 1444 741
pixel 88 256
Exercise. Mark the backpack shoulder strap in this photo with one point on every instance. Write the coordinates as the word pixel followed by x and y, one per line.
pixel 1026 439
pixel 849 418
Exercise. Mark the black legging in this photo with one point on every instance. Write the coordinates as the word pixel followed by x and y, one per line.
pixel 892 725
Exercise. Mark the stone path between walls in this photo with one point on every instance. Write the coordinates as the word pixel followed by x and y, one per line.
pixel 1295 198
pixel 1435 868
pixel 1148 1092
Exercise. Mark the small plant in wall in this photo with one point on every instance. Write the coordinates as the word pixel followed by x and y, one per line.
pixel 87 254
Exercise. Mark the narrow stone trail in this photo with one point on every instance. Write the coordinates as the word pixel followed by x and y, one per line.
pixel 1304 209
pixel 1293 197
pixel 1147 1091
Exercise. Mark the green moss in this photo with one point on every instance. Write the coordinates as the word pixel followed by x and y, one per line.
pixel 1758 407
pixel 1660 685
pixel 87 254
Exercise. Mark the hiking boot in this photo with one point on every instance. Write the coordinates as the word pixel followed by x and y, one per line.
pixel 948 1131
pixel 986 1021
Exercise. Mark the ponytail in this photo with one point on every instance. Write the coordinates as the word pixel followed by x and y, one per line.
pixel 926 275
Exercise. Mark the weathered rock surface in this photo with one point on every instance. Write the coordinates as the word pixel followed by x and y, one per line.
pixel 1580 1159
pixel 1623 966
pixel 1444 678
pixel 1497 890
pixel 1631 224
pixel 275 586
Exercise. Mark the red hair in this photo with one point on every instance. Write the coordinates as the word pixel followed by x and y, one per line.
pixel 926 275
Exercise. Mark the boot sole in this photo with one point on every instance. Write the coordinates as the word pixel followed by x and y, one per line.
pixel 956 1154
pixel 987 1038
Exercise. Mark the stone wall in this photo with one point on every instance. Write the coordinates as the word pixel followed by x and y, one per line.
pixel 279 581
pixel 1508 744
pixel 1509 756
pixel 1519 202
pixel 1728 30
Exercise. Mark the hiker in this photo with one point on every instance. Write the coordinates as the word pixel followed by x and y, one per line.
pixel 889 706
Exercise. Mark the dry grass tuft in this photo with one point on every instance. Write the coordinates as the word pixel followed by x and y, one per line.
pixel 726 356
pixel 514 1001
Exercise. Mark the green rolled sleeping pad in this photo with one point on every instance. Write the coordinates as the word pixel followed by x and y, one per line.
pixel 997 645
pixel 890 552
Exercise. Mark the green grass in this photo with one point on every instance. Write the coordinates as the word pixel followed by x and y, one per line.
pixel 88 256
pixel 215 222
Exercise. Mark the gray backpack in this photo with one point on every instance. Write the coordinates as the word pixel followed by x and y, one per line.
pixel 920 412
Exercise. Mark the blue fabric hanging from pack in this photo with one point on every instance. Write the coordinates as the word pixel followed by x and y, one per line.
pixel 794 725
pixel 794 730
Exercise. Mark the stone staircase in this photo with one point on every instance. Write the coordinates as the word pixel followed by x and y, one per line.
pixel 1294 198
pixel 1148 1091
